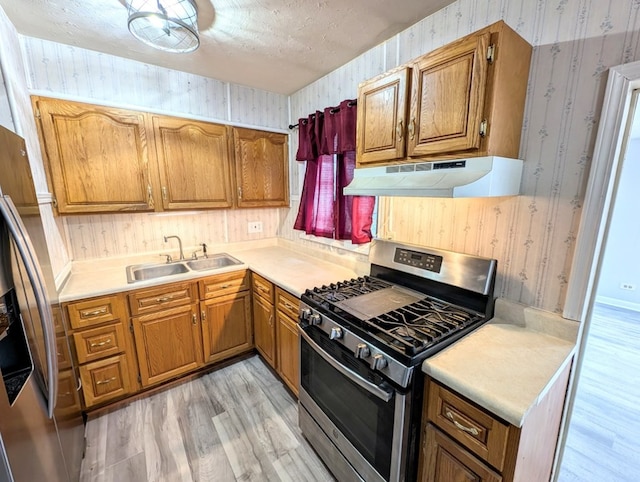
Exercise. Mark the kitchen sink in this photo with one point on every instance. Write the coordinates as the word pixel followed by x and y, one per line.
pixel 215 261
pixel 143 272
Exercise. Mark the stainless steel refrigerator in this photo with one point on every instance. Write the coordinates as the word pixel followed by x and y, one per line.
pixel 37 442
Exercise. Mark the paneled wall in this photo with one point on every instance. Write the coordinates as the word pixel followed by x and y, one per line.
pixel 15 114
pixel 64 71
pixel 532 235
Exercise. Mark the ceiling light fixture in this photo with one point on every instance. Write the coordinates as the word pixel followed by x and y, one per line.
pixel 169 25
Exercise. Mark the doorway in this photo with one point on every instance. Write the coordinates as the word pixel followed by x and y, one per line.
pixel 600 439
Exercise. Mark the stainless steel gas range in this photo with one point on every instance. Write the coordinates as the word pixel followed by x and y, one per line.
pixel 362 343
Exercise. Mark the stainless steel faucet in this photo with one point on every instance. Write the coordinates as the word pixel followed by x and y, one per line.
pixel 179 243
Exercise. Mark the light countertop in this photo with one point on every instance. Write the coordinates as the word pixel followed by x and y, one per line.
pixel 507 365
pixel 290 269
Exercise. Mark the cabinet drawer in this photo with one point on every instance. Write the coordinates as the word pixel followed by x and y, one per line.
pixel 473 427
pixel 287 303
pixel 96 311
pixel 262 287
pixel 155 299
pixel 105 380
pixel 444 460
pixel 57 320
pixel 63 354
pixel 99 342
pixel 68 396
pixel 223 284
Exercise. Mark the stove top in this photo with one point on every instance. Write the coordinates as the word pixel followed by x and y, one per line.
pixel 400 319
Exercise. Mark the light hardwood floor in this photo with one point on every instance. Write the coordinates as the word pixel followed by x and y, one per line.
pixel 237 423
pixel 603 443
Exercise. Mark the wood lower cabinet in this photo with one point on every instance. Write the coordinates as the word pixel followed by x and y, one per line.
pixel 463 441
pixel 168 343
pixel 103 349
pixel 264 329
pixel 105 380
pixel 225 312
pixel 68 402
pixel 447 461
pixel 166 329
pixel 262 168
pixel 287 339
pixel 464 99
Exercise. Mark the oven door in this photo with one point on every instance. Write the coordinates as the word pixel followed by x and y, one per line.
pixel 356 411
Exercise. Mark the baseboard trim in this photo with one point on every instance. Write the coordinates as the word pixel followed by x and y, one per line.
pixel 627 305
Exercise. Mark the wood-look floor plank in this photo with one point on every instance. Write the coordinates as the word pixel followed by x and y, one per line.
pixel 235 424
pixel 602 440
pixel 195 412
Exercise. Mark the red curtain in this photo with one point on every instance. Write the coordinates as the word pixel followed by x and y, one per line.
pixel 324 210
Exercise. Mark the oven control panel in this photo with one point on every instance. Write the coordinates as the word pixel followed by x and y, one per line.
pixel 427 261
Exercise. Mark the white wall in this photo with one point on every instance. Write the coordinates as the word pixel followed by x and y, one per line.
pixel 621 261
pixel 63 71
pixel 533 235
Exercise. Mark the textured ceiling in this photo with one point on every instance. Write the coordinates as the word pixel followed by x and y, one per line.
pixel 275 45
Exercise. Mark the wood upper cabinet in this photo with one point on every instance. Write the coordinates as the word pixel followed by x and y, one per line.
pixel 193 160
pixel 382 117
pixel 466 99
pixel 261 168
pixel 98 156
pixel 447 98
pixel 106 159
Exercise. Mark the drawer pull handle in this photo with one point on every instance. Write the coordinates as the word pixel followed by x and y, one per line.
pixel 164 299
pixel 102 343
pixel 263 289
pixel 225 286
pixel 65 394
pixel 88 314
pixel 203 315
pixel 288 306
pixel 472 430
pixel 194 318
pixel 104 382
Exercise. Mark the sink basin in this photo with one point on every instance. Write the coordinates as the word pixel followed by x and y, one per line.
pixel 143 272
pixel 214 261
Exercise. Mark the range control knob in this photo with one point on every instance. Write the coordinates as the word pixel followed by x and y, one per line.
pixel 305 313
pixel 378 362
pixel 335 333
pixel 362 351
pixel 314 319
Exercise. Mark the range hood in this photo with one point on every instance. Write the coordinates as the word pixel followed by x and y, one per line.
pixel 470 177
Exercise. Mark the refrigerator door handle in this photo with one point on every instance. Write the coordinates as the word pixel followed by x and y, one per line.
pixel 21 238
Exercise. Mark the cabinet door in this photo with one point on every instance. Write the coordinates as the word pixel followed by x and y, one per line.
pixel 288 351
pixel 264 329
pixel 447 98
pixel 167 343
pixel 382 109
pixel 262 168
pixel 226 326
pixel 193 158
pixel 98 157
pixel 444 461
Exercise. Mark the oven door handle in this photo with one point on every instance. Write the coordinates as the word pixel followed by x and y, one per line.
pixel 350 374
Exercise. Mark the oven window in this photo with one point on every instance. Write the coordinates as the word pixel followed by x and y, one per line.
pixel 364 419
